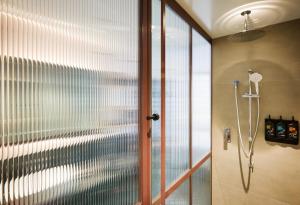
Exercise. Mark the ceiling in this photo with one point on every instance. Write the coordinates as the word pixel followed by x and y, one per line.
pixel 222 17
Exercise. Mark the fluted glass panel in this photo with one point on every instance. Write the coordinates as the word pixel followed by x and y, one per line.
pixel 156 96
pixel 201 185
pixel 181 196
pixel 69 102
pixel 177 96
pixel 201 97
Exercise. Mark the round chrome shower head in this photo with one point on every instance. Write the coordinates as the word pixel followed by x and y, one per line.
pixel 246 36
pixel 248 33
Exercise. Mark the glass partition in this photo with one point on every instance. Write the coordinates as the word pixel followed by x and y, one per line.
pixel 181 92
pixel 181 196
pixel 69 102
pixel 201 185
pixel 156 96
pixel 177 96
pixel 201 96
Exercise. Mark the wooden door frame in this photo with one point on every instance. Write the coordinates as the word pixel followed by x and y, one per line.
pixel 145 102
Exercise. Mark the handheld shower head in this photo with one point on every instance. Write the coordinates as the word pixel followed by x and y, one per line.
pixel 255 78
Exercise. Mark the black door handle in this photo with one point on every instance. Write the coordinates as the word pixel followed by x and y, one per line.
pixel 153 117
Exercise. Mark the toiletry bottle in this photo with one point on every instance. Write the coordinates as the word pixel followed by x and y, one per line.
pixel 281 128
pixel 269 128
pixel 293 129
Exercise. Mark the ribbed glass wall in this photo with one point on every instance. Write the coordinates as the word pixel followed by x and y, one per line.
pixel 201 185
pixel 177 96
pixel 69 101
pixel 156 96
pixel 181 196
pixel 201 97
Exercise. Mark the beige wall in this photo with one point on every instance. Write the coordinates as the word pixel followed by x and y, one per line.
pixel 276 176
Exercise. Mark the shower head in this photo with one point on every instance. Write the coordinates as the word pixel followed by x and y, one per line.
pixel 246 36
pixel 248 33
pixel 255 78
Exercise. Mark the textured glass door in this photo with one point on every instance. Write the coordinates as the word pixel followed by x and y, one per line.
pixel 69 102
pixel 156 98
pixel 181 65
pixel 177 96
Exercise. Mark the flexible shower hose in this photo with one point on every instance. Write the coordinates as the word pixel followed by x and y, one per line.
pixel 246 153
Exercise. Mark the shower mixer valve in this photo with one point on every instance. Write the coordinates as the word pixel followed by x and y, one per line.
pixel 227 137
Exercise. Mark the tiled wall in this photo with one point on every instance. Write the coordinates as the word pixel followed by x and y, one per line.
pixel 276 176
